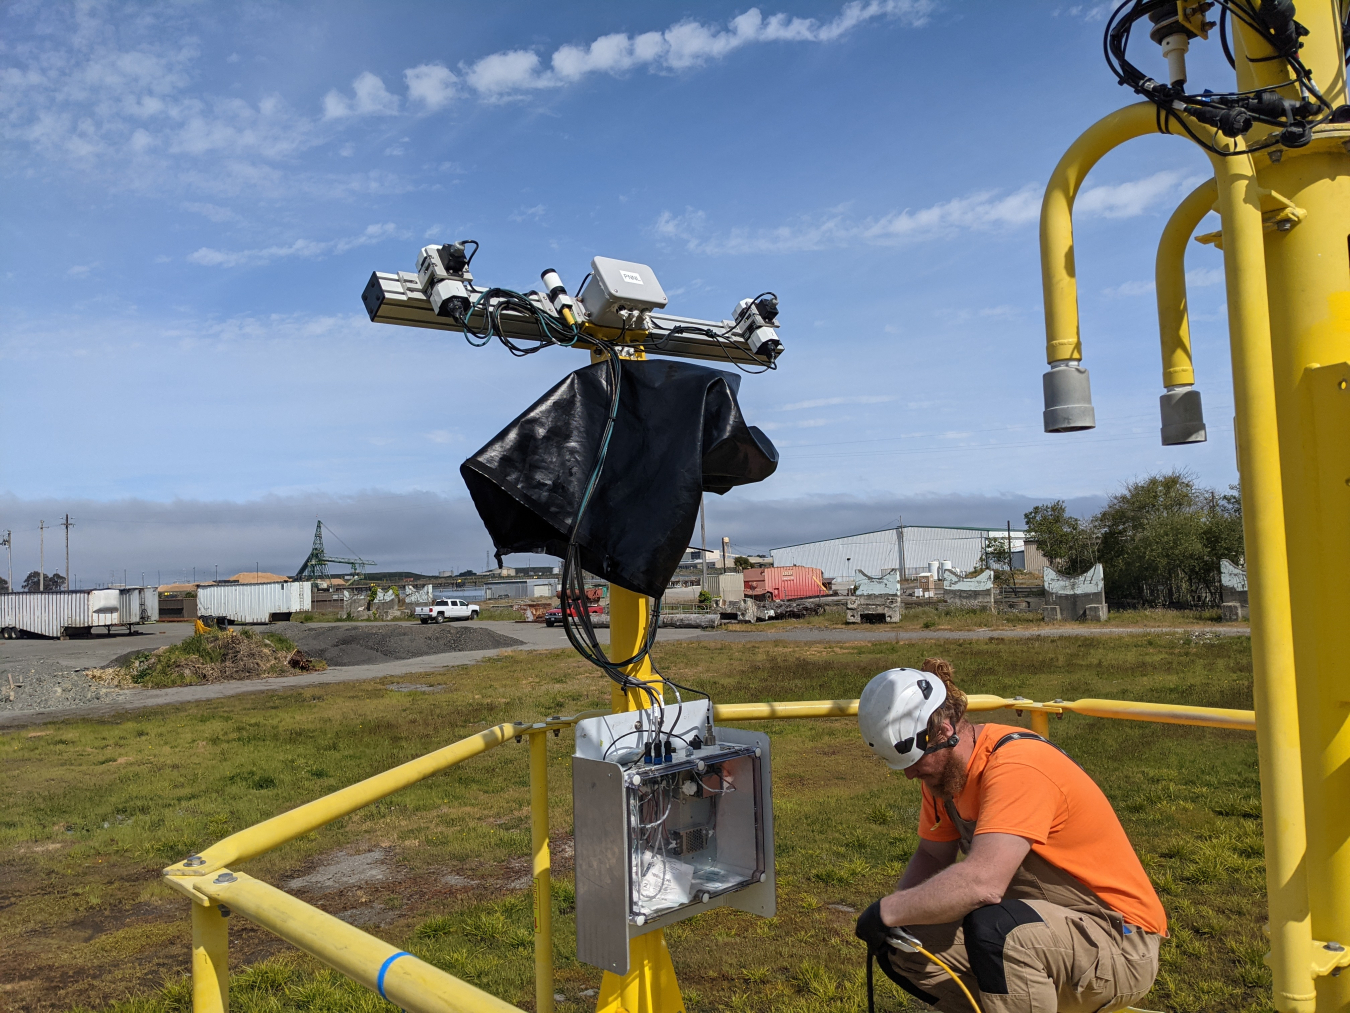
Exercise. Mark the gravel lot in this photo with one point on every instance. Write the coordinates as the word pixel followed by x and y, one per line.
pixel 43 683
pixel 346 644
pixel 31 682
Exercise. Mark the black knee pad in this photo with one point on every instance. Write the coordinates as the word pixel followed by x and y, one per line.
pixel 986 930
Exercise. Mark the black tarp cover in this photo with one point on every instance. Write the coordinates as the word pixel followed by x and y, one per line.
pixel 679 432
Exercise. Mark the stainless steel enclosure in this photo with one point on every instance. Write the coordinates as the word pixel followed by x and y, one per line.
pixel 657 843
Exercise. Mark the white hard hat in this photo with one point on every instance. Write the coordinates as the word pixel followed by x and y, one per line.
pixel 893 714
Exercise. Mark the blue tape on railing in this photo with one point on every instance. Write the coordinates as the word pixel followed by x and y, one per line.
pixel 384 968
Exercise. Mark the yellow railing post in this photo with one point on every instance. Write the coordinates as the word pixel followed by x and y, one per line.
pixel 1040 723
pixel 543 887
pixel 210 960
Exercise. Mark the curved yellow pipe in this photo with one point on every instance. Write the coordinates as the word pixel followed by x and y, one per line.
pixel 1276 688
pixel 1169 275
pixel 1059 277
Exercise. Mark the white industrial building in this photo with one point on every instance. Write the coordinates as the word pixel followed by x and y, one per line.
pixel 907 548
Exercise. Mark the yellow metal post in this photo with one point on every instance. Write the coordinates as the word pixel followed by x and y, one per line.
pixel 1040 723
pixel 210 960
pixel 1263 522
pixel 1309 294
pixel 543 887
pixel 1169 274
pixel 650 985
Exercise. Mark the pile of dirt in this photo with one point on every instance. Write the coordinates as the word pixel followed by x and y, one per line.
pixel 368 643
pixel 208 657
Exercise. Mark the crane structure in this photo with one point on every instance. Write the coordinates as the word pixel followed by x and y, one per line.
pixel 315 566
pixel 1279 148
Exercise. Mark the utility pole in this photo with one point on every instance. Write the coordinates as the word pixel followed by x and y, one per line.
pixel 1011 576
pixel 9 551
pixel 726 552
pixel 703 543
pixel 42 555
pixel 67 524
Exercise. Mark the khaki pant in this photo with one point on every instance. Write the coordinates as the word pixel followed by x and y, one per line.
pixel 1031 956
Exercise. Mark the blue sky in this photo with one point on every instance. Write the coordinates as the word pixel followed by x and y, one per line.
pixel 194 196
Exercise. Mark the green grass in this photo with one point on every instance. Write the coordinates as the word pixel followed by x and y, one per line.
pixel 93 809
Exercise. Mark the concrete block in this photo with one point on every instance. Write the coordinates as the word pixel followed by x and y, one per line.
pixel 1095 614
pixel 1050 613
pixel 1232 612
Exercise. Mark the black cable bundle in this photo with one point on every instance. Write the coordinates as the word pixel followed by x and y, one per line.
pixel 1232 114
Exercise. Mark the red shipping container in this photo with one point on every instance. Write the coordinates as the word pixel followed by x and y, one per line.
pixel 781 583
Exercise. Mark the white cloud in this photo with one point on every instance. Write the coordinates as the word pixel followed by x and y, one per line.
pixel 1126 200
pixel 214 212
pixel 369 98
pixel 80 270
pixel 307 249
pixel 1203 277
pixel 683 45
pixel 1200 277
pixel 825 402
pixel 803 424
pixel 1128 289
pixel 444 436
pixel 430 84
pixel 525 214
pixel 983 210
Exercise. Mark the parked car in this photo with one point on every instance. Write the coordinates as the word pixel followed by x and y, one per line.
pixel 446 608
pixel 554 615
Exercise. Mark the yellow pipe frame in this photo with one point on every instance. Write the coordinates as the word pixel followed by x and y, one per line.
pixel 1169 275
pixel 1059 274
pixel 543 885
pixel 649 986
pixel 210 959
pixel 403 979
pixel 1275 684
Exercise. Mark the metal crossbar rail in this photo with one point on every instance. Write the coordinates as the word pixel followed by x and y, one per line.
pixel 396 298
pixel 416 986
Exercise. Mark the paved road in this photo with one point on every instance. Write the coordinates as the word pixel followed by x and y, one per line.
pixel 93 653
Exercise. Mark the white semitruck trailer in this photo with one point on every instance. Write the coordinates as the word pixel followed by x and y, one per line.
pixel 254 603
pixel 66 614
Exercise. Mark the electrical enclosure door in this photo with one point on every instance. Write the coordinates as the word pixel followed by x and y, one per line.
pixel 657 843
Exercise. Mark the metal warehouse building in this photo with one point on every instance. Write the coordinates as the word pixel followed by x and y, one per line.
pixel 909 548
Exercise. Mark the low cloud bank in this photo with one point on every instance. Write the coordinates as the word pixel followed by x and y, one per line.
pixel 418 531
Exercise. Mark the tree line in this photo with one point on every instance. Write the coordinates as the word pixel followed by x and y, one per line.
pixel 1159 539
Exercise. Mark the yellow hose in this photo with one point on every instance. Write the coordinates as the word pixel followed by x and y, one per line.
pixel 973 1004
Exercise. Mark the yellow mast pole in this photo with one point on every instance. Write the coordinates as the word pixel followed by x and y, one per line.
pixel 1308 276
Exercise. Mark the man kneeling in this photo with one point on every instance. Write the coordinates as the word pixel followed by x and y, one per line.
pixel 1050 910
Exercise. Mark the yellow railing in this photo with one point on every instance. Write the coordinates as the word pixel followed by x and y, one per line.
pixel 416 986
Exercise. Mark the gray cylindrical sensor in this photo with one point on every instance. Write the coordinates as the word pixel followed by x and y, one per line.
pixel 1183 418
pixel 1068 398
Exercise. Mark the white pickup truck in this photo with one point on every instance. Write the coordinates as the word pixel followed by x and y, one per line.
pixel 446 608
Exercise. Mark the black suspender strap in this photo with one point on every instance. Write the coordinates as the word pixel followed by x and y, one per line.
pixel 1014 736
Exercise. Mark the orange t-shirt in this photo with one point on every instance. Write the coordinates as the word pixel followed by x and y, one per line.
pixel 1034 791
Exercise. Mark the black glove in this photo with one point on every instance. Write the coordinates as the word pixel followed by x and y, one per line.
pixel 870 928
